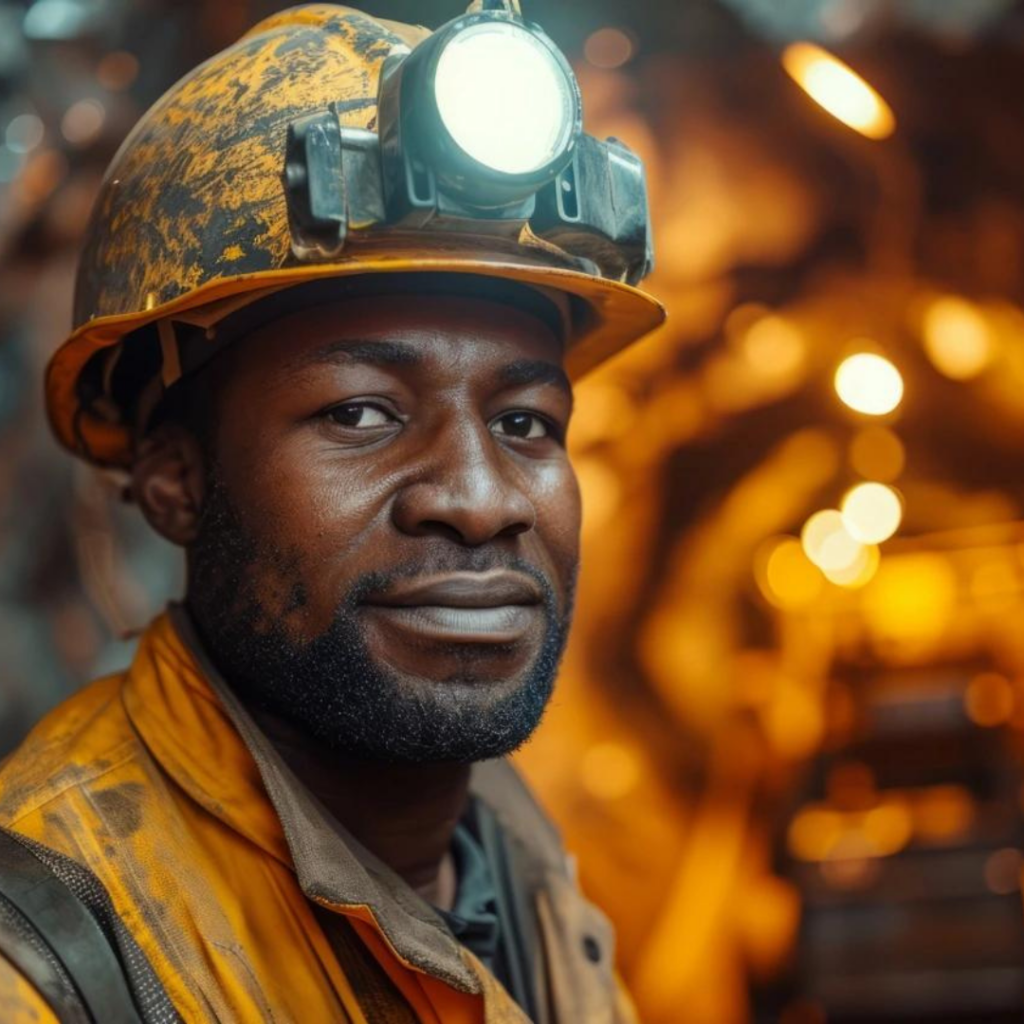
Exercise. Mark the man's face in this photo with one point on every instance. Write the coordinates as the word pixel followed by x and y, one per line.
pixel 389 535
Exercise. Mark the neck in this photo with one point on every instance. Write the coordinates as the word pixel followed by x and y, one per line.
pixel 404 814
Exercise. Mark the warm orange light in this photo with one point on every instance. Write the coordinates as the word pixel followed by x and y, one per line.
pixel 860 572
pixel 869 383
pixel 912 599
pixel 774 347
pixel 989 700
pixel 888 827
pixel 876 453
pixel 872 512
pixel 839 89
pixel 786 578
pixel 957 338
pixel 943 813
pixel 610 771
pixel 828 543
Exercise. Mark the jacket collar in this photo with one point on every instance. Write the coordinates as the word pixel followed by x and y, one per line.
pixel 197 728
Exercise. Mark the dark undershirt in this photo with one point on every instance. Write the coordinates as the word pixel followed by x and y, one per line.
pixel 483 918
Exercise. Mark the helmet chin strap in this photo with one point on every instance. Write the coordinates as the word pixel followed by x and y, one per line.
pixel 512 6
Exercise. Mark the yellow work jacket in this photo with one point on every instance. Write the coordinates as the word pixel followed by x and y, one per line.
pixel 146 779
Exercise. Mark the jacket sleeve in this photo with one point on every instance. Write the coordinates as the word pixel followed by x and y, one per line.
pixel 20 1003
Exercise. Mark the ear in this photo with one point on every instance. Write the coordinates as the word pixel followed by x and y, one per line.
pixel 167 483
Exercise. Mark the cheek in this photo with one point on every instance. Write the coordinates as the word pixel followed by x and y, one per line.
pixel 312 518
pixel 557 500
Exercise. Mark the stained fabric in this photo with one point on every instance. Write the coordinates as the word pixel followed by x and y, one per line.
pixel 144 779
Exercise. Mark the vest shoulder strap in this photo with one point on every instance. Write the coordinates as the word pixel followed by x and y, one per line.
pixel 52 937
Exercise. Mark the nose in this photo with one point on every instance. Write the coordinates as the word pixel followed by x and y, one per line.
pixel 467 490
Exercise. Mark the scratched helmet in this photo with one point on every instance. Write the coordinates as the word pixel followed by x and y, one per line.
pixel 325 146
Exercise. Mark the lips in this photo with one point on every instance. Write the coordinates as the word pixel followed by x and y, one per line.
pixel 461 590
pixel 482 608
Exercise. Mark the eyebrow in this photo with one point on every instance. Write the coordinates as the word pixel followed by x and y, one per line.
pixel 535 371
pixel 519 373
pixel 375 353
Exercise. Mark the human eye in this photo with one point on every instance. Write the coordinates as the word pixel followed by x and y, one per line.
pixel 524 426
pixel 360 417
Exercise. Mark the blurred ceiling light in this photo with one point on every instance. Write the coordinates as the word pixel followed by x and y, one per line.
pixel 24 133
pixel 860 572
pixel 872 512
pixel 912 600
pixel 83 121
pixel 889 827
pixel 942 813
pixel 957 338
pixel 54 20
pixel 828 543
pixel 989 700
pixel 839 90
pixel 117 70
pixel 814 832
pixel 876 453
pixel 609 48
pixel 820 833
pixel 774 347
pixel 869 384
pixel 786 577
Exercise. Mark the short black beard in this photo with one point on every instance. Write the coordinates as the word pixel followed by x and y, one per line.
pixel 330 687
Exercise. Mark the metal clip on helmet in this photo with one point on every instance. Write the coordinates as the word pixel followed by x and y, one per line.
pixel 326 144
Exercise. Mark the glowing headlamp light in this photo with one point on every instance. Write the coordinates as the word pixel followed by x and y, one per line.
pixel 487 110
pixel 479 123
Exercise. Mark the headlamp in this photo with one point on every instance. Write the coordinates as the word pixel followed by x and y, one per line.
pixel 479 132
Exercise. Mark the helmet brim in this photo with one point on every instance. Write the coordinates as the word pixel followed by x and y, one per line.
pixel 608 317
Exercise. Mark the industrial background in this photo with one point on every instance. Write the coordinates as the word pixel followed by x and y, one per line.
pixel 788 744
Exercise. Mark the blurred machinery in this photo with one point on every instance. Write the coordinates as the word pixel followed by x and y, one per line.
pixel 788 740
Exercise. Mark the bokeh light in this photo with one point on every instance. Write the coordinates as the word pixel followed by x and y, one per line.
pixel 912 600
pixel 860 572
pixel 774 347
pixel 24 133
pixel 839 90
pixel 828 543
pixel 1003 871
pixel 83 121
pixel 785 575
pixel 957 338
pixel 869 384
pixel 877 453
pixel 872 512
pixel 117 70
pixel 609 48
pixel 989 700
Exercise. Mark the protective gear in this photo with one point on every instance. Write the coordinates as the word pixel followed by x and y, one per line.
pixel 215 195
pixel 144 782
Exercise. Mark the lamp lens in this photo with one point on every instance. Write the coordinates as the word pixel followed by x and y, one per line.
pixel 503 98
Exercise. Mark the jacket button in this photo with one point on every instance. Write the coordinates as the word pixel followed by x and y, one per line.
pixel 592 948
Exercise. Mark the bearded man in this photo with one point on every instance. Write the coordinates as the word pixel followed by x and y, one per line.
pixel 327 331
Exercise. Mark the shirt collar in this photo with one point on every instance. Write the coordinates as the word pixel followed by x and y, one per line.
pixel 198 729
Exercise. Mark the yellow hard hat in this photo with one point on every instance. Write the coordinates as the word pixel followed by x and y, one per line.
pixel 221 195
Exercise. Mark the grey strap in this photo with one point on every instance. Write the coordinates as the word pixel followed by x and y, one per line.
pixel 73 945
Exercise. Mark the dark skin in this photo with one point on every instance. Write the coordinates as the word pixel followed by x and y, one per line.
pixel 374 434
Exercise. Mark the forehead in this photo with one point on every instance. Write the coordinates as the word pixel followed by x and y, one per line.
pixel 466 335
